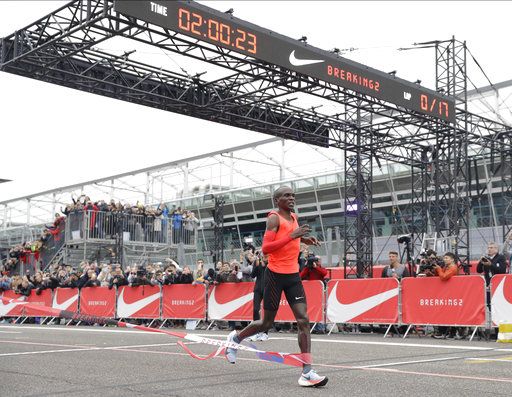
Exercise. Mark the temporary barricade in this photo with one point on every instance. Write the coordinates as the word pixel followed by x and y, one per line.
pixel 314 291
pixel 66 299
pixel 231 301
pixel 457 301
pixel 98 301
pixel 184 301
pixel 501 299
pixel 138 302
pixel 43 299
pixel 10 309
pixel 368 301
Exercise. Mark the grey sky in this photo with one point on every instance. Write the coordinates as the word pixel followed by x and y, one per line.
pixel 53 136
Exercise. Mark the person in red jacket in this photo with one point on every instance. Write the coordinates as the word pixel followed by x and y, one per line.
pixel 313 269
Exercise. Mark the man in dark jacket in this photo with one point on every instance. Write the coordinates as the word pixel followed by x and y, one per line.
pixel 493 263
pixel 118 279
pixel 186 276
pixel 258 273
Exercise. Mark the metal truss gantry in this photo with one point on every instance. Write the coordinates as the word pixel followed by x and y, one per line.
pixel 62 48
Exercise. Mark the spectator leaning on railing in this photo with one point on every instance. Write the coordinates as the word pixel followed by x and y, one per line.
pixel 445 273
pixel 395 269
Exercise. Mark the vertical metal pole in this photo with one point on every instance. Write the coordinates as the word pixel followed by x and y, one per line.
pixel 231 170
pixel 282 166
pixel 2 52
pixel 28 211
pixel 185 181
pixel 146 194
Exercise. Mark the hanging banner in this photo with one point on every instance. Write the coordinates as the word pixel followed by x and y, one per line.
pixel 457 301
pixel 231 301
pixel 501 299
pixel 10 309
pixel 65 299
pixel 314 290
pixel 367 301
pixel 98 301
pixel 138 302
pixel 184 301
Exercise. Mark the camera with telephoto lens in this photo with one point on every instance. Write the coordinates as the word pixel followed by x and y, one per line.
pixel 428 260
pixel 141 272
pixel 311 260
pixel 248 247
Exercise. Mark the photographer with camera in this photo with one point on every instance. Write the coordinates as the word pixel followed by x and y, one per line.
pixel 445 271
pixel 395 268
pixel 428 261
pixel 313 269
pixel 492 263
pixel 118 279
pixel 141 278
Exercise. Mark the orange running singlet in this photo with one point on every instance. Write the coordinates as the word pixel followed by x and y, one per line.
pixel 286 259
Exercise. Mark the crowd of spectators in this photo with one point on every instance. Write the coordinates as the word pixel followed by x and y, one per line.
pixel 152 223
pixel 21 253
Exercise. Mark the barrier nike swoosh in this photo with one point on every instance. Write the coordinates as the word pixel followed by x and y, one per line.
pixel 302 62
pixel 64 305
pixel 6 308
pixel 339 312
pixel 127 309
pixel 218 310
pixel 501 308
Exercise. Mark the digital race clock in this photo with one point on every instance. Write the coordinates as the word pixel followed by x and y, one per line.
pixel 224 30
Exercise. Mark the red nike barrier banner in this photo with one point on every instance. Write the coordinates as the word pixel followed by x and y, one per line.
pixel 98 301
pixel 368 301
pixel 65 299
pixel 43 299
pixel 231 301
pixel 138 302
pixel 10 309
pixel 315 299
pixel 184 301
pixel 501 299
pixel 457 301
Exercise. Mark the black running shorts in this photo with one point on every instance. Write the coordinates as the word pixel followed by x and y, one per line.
pixel 276 283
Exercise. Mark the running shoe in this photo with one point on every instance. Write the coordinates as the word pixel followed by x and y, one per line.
pixel 262 337
pixel 230 352
pixel 312 379
pixel 253 338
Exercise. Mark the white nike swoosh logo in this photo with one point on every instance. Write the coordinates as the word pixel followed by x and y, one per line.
pixel 340 313
pixel 127 309
pixel 501 308
pixel 6 308
pixel 217 311
pixel 64 305
pixel 302 62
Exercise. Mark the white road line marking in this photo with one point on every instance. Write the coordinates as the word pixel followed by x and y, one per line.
pixel 423 345
pixel 80 348
pixel 390 370
pixel 41 343
pixel 46 351
pixel 294 339
pixel 9 332
pixel 409 362
pixel 115 331
pixel 499 360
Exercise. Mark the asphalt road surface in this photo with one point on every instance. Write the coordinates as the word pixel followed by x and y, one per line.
pixel 93 361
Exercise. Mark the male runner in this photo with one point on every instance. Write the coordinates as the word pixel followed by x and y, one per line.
pixel 281 242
